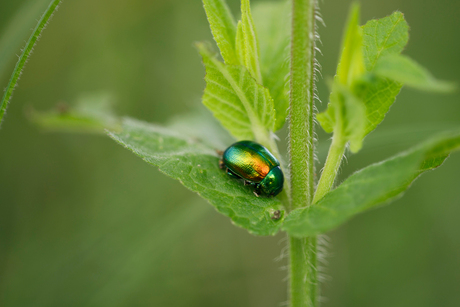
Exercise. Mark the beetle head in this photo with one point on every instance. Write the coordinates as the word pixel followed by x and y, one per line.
pixel 272 184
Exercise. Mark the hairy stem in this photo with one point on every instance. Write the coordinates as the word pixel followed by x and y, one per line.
pixel 331 167
pixel 303 271
pixel 25 55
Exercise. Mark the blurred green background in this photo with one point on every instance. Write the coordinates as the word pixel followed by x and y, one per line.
pixel 84 222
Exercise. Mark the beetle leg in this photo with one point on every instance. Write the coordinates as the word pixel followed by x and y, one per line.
pixel 257 190
pixel 221 164
pixel 219 152
pixel 232 174
pixel 247 182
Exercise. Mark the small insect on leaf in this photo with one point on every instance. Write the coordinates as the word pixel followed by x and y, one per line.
pixel 256 165
pixel 195 165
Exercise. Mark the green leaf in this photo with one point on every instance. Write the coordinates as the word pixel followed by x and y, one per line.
pixel 372 186
pixel 250 43
pixel 25 55
pixel 92 113
pixel 223 28
pixel 201 125
pixel 272 20
pixel 240 48
pixel 381 37
pixel 195 165
pixel 377 94
pixel 327 119
pixel 243 106
pixel 408 72
pixel 353 115
pixel 384 36
pixel 351 64
pixel 346 115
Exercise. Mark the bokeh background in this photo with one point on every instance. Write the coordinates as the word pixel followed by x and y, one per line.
pixel 84 222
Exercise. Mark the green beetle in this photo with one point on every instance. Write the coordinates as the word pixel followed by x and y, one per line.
pixel 254 164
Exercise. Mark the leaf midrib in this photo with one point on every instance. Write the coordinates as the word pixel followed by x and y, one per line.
pixel 255 123
pixel 401 17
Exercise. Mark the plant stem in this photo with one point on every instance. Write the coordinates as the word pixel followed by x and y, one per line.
pixel 25 55
pixel 303 272
pixel 331 167
pixel 303 275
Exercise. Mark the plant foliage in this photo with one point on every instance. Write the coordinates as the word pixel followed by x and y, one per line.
pixel 372 186
pixel 238 90
pixel 195 165
pixel 246 92
pixel 25 55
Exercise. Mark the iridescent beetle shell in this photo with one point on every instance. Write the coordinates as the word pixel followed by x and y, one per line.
pixel 256 165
